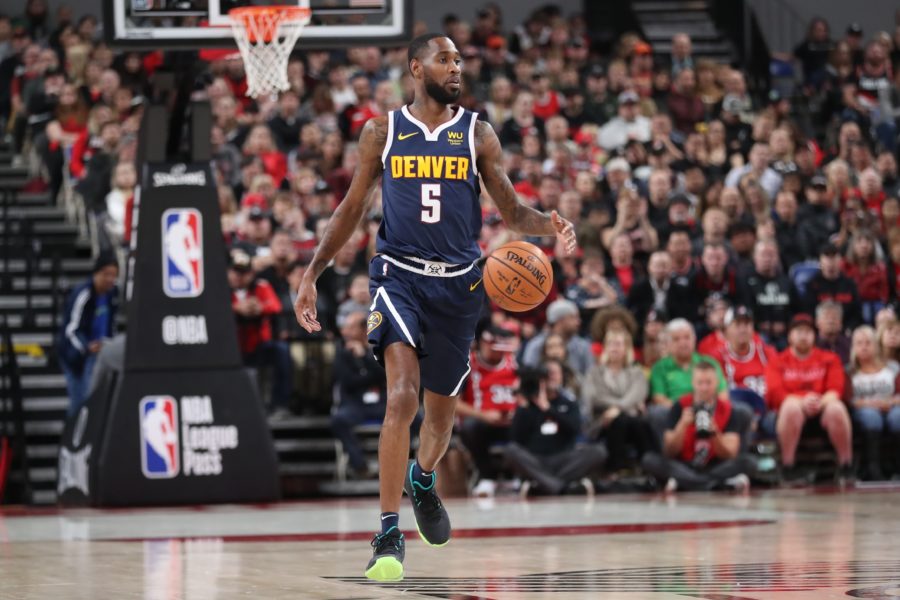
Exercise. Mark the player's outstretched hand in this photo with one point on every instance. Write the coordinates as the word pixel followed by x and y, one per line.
pixel 565 231
pixel 305 306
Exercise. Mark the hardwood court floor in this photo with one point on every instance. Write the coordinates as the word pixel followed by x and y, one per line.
pixel 793 544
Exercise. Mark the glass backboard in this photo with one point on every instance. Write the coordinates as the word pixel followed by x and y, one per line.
pixel 162 24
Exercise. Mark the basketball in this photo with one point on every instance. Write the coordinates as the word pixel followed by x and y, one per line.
pixel 517 276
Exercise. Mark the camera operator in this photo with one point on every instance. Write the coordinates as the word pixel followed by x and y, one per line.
pixel 701 445
pixel 543 433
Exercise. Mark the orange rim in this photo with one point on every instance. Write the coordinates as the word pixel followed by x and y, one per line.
pixel 267 19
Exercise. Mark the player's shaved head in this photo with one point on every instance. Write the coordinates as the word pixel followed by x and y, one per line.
pixel 419 46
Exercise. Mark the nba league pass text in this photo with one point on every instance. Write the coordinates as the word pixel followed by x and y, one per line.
pixel 203 440
pixel 182 438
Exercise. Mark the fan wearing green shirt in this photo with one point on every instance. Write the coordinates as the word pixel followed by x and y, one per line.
pixel 670 377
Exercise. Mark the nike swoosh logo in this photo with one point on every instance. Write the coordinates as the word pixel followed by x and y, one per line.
pixel 403 136
pixel 474 285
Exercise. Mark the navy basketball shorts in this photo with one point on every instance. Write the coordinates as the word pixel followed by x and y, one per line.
pixel 436 315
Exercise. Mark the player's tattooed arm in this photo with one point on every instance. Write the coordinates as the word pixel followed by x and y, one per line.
pixel 345 219
pixel 518 216
pixel 349 212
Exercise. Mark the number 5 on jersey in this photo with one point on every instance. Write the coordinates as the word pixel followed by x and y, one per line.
pixel 431 202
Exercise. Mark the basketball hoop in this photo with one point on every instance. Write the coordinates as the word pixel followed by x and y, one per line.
pixel 265 36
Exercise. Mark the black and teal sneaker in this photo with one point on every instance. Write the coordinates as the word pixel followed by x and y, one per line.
pixel 387 557
pixel 432 520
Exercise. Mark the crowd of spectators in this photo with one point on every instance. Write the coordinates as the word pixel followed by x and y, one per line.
pixel 725 243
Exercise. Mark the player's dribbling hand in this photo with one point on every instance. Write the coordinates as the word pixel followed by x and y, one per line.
pixel 305 306
pixel 565 231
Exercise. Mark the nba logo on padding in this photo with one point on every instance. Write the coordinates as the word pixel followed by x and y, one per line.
pixel 159 437
pixel 182 252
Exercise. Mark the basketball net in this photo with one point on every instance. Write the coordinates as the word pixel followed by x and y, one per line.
pixel 265 35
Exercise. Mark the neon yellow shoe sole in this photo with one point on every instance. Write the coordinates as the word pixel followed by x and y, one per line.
pixel 429 543
pixel 386 568
pixel 441 528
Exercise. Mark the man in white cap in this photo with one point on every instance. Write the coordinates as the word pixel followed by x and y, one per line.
pixel 562 320
pixel 758 167
pixel 628 125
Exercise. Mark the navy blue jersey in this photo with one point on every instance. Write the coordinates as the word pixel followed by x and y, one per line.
pixel 430 189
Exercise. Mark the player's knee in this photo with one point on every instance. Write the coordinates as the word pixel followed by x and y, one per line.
pixel 404 391
pixel 440 423
pixel 402 404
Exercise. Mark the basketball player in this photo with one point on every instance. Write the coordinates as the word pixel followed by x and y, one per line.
pixel 424 280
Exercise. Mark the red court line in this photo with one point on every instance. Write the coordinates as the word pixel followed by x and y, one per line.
pixel 20 510
pixel 487 532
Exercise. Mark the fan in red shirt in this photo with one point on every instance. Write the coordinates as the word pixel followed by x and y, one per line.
pixel 870 191
pixel 236 78
pixel 260 143
pixel 866 268
pixel 68 125
pixel 806 383
pixel 356 115
pixel 625 270
pixel 255 304
pixel 547 102
pixel 489 401
pixel 743 355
